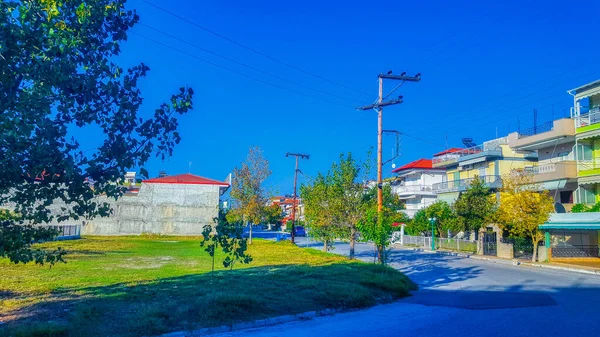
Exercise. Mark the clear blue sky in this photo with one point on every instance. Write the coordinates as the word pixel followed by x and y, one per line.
pixel 483 65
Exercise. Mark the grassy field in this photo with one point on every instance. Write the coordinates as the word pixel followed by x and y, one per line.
pixel 140 286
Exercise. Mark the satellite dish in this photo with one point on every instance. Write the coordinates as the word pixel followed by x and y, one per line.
pixel 393 165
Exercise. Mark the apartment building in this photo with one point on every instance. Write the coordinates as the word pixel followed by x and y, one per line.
pixel 556 168
pixel 414 184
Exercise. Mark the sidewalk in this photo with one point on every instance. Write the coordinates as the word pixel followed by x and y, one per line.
pixel 548 265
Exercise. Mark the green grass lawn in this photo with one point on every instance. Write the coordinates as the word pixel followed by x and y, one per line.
pixel 139 286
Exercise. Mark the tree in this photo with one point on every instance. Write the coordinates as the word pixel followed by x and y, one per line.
pixel 246 188
pixel 58 81
pixel 476 205
pixel 273 215
pixel 318 197
pixel 377 227
pixel 229 237
pixel 522 208
pixel 446 219
pixel 347 197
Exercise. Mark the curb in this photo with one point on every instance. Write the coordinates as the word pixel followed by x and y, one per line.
pixel 254 324
pixel 502 261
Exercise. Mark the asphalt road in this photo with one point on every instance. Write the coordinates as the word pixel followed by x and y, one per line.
pixel 464 297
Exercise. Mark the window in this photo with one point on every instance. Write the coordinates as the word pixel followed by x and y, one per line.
pixel 584 152
pixel 566 197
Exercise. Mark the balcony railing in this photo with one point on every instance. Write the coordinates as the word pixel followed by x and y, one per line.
pixel 549 126
pixel 462 184
pixel 445 160
pixel 413 188
pixel 541 169
pixel 590 118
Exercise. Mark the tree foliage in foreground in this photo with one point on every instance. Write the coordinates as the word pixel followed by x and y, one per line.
pixel 377 227
pixel 58 84
pixel 523 208
pixel 229 237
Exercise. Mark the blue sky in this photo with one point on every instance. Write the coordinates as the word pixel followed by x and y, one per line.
pixel 485 66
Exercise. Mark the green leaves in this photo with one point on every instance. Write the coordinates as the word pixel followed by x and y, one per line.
pixel 476 206
pixel 57 74
pixel 229 237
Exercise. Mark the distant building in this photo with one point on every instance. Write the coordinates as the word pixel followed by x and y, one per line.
pixel 286 203
pixel 414 184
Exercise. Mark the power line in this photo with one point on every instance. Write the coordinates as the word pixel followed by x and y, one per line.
pixel 244 64
pixel 242 74
pixel 254 50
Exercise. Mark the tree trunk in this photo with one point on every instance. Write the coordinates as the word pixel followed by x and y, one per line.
pixel 380 252
pixel 325 246
pixel 535 250
pixel 352 241
pixel 250 235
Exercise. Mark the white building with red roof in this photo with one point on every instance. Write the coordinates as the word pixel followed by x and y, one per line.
pixel 414 182
pixel 174 205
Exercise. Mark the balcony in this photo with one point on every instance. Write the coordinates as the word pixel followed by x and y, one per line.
pixel 589 121
pixel 411 190
pixel 461 185
pixel 548 134
pixel 587 168
pixel 481 153
pixel 445 160
pixel 566 169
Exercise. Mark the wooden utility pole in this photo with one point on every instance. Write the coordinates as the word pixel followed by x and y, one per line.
pixel 298 156
pixel 379 108
pixel 380 148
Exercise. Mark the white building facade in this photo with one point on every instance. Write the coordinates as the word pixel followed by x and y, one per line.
pixel 413 184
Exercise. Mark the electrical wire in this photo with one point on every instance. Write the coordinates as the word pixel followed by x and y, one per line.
pixel 244 64
pixel 254 50
pixel 240 73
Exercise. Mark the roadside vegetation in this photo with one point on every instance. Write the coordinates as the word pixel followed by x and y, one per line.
pixel 136 286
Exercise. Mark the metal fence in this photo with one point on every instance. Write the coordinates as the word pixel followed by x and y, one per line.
pixel 440 243
pixel 456 244
pixel 545 127
pixel 67 232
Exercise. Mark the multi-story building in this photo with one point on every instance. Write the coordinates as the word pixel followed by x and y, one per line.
pixel 414 184
pixel 556 169
pixel 586 113
pixel 488 161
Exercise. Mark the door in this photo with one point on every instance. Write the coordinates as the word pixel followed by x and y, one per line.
pixel 490 245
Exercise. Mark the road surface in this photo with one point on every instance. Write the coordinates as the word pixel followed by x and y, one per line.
pixel 463 297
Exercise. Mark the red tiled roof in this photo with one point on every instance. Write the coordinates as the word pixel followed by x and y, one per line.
pixel 451 150
pixel 185 178
pixel 417 164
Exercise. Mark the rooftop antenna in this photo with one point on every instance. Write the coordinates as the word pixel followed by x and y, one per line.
pixel 189 167
pixel 446 141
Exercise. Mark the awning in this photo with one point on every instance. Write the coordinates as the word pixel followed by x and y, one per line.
pixel 472 161
pixel 448 197
pixel 586 220
pixel 588 180
pixel 552 185
pixel 589 134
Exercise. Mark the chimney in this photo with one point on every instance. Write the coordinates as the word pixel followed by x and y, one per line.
pixel 162 174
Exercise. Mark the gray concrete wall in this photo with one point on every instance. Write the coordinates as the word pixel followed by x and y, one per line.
pixel 175 209
pixel 505 250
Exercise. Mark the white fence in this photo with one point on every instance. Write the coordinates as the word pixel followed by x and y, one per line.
pixel 440 243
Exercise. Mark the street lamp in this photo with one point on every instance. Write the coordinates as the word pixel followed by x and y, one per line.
pixel 432 221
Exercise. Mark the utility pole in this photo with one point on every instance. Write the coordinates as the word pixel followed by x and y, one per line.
pixel 298 156
pixel 379 108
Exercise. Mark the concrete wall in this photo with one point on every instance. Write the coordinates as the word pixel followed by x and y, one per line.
pixel 505 250
pixel 176 209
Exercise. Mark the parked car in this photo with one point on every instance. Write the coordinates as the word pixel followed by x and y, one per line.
pixel 299 231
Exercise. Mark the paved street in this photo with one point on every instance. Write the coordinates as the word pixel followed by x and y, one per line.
pixel 464 297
